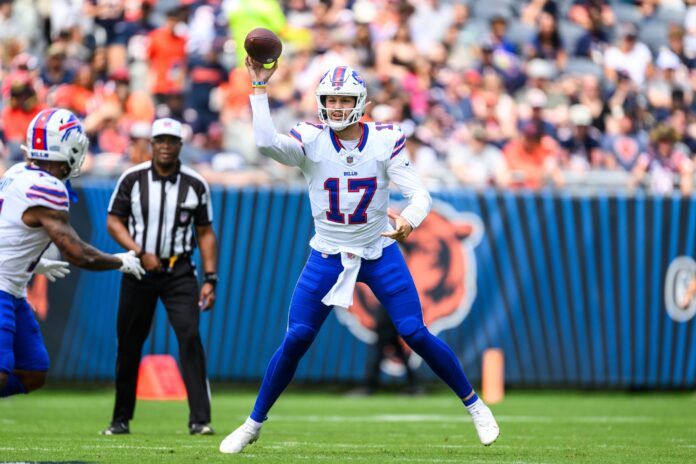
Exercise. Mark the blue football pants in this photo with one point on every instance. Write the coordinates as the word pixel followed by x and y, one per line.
pixel 390 280
pixel 21 343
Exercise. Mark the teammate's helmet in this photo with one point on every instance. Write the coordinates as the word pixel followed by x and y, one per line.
pixel 342 81
pixel 56 135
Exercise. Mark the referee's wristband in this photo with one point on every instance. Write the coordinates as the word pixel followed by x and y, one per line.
pixel 210 278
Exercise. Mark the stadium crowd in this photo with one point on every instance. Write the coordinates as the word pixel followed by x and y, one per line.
pixel 510 93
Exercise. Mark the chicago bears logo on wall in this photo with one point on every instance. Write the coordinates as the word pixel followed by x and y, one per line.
pixel 680 289
pixel 440 255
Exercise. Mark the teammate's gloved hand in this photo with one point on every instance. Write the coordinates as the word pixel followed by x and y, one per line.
pixel 131 264
pixel 52 269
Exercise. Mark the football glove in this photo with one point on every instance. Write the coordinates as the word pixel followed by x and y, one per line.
pixel 130 264
pixel 52 269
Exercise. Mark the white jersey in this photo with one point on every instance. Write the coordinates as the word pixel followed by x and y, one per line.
pixel 21 246
pixel 348 188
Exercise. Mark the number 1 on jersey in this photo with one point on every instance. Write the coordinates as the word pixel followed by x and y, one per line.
pixel 359 216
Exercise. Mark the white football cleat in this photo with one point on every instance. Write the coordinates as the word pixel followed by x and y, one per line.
pixel 236 441
pixel 486 426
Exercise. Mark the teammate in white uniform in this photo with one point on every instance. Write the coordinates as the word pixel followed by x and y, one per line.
pixel 348 166
pixel 34 204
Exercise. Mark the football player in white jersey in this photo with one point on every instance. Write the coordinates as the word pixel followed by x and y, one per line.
pixel 348 166
pixel 34 204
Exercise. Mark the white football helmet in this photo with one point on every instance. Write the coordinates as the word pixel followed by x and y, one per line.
pixel 57 135
pixel 342 81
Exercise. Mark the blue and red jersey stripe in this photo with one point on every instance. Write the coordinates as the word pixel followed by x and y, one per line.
pixel 38 196
pixel 48 191
pixel 398 146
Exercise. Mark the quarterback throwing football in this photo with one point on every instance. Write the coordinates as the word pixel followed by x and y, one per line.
pixel 34 204
pixel 348 165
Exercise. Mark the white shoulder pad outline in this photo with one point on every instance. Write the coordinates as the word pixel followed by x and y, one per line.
pixel 306 132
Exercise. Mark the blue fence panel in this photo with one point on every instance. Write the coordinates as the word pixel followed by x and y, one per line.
pixel 572 289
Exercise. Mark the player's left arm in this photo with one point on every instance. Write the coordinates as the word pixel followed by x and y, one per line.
pixel 207 242
pixel 401 172
pixel 75 250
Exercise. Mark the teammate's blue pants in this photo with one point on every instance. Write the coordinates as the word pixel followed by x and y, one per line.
pixel 390 280
pixel 21 344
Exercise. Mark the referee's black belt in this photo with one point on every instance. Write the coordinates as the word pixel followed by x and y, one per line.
pixel 169 263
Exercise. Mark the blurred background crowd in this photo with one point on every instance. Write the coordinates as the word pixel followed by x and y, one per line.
pixel 572 94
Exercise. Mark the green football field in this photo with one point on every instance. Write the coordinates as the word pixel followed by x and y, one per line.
pixel 537 427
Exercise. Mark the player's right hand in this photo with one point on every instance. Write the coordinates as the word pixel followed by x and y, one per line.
pixel 258 72
pixel 52 269
pixel 130 264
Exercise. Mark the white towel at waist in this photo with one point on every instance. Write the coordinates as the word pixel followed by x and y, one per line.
pixel 341 294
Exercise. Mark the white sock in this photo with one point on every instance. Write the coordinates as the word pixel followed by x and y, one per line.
pixel 251 423
pixel 475 405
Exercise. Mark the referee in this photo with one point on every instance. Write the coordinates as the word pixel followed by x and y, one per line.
pixel 154 210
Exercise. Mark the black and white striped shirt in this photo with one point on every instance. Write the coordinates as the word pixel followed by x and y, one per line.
pixel 161 211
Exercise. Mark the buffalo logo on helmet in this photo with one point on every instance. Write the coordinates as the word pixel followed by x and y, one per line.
pixel 440 256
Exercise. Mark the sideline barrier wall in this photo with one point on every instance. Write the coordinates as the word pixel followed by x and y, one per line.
pixel 575 290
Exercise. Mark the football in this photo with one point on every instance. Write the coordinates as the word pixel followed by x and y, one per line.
pixel 263 45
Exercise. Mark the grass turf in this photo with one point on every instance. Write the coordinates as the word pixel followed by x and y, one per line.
pixel 537 427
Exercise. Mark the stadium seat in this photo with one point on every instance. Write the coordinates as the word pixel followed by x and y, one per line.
pixel 490 8
pixel 626 13
pixel 671 14
pixel 570 34
pixel 578 65
pixel 654 34
pixel 519 33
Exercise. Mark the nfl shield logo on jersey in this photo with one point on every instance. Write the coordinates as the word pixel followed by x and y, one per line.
pixel 440 255
pixel 184 216
pixel 350 159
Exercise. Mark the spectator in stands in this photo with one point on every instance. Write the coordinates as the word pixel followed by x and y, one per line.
pixel 397 57
pixel 628 55
pixel 55 72
pixel 594 42
pixel 533 159
pixel 498 35
pixel 592 13
pixel 536 100
pixel 205 74
pixel 548 44
pixel 429 23
pixel 665 161
pixel 581 142
pixel 21 108
pixel 167 55
pixel 679 121
pixel 77 95
pixel 138 150
pixel 476 162
pixel 627 144
pixel 675 50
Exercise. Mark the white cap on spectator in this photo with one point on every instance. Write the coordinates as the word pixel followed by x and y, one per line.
pixel 667 59
pixel 580 115
pixel 383 113
pixel 166 126
pixel 540 69
pixel 536 98
pixel 140 130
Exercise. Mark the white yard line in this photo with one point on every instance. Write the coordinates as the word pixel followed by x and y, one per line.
pixel 465 418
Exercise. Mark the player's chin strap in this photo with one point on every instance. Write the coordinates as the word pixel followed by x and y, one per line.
pixel 341 294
